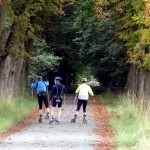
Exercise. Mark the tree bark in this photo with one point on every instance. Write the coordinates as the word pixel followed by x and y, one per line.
pixel 139 83
pixel 13 77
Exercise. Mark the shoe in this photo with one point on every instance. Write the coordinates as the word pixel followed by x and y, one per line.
pixel 84 118
pixel 47 117
pixel 40 120
pixel 51 120
pixel 74 119
pixel 84 115
pixel 58 120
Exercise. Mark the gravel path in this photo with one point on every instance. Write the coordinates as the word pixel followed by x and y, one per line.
pixel 63 136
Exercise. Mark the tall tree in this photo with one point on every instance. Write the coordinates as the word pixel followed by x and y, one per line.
pixel 23 21
pixel 99 46
pixel 59 34
pixel 134 28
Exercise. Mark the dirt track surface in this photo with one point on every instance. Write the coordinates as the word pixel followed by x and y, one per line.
pixel 63 136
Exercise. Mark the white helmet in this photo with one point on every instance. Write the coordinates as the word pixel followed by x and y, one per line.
pixel 84 80
pixel 39 78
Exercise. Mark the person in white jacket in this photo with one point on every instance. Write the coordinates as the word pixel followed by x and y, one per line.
pixel 83 92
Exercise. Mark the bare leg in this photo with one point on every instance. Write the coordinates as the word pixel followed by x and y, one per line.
pixel 52 111
pixel 59 112
pixel 48 110
pixel 77 112
pixel 47 115
pixel 40 112
pixel 84 113
pixel 52 114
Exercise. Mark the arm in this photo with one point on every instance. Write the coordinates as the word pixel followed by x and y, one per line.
pixel 46 83
pixel 33 85
pixel 52 93
pixel 90 91
pixel 78 89
pixel 64 89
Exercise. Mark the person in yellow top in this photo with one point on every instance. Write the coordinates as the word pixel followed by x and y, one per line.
pixel 83 92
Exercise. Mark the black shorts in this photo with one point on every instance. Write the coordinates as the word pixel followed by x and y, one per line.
pixel 80 103
pixel 42 97
pixel 55 102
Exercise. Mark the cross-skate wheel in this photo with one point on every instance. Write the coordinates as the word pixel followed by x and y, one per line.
pixel 40 120
pixel 84 121
pixel 51 121
pixel 73 121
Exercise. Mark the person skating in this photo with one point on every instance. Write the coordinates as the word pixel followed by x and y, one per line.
pixel 57 93
pixel 83 92
pixel 40 87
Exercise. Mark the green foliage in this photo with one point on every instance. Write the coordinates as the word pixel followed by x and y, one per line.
pixel 85 72
pixel 103 34
pixel 59 33
pixel 14 111
pixel 133 19
pixel 77 37
pixel 25 20
pixel 99 46
pixel 30 16
pixel 41 60
pixel 76 34
pixel 132 125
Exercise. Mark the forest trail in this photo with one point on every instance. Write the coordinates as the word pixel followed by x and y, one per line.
pixel 63 136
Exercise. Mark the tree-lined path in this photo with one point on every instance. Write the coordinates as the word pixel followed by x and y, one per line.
pixel 107 42
pixel 62 136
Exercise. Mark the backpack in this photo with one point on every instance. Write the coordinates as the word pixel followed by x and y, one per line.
pixel 37 84
pixel 58 97
pixel 41 93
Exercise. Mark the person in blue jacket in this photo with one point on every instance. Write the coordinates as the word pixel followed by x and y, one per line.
pixel 41 87
pixel 57 93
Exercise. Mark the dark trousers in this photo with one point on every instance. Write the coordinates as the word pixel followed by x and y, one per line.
pixel 80 103
pixel 42 97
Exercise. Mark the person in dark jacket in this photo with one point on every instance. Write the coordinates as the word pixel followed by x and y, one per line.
pixel 40 87
pixel 57 96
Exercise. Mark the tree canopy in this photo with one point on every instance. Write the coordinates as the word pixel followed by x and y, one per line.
pixel 66 37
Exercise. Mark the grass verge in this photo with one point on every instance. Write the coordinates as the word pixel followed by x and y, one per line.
pixel 14 111
pixel 132 128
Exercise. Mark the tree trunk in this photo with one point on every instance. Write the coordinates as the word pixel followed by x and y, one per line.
pixel 139 83
pixel 13 76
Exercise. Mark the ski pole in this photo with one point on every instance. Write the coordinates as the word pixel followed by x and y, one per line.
pixel 32 94
pixel 73 103
pixel 64 99
pixel 69 115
